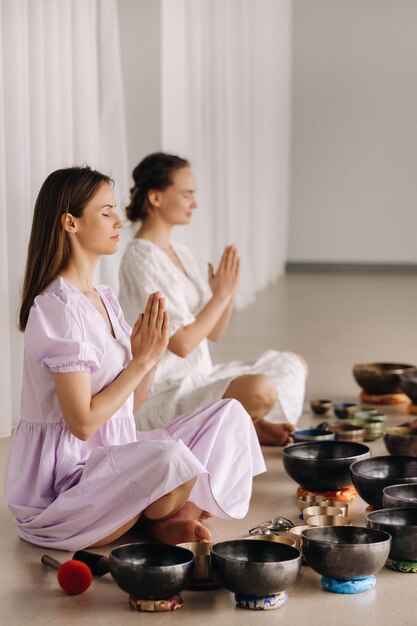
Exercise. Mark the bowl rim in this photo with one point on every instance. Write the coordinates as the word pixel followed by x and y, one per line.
pixel 389 487
pixel 396 509
pixel 119 559
pixel 231 559
pixel 323 444
pixel 325 542
pixel 392 368
pixel 387 457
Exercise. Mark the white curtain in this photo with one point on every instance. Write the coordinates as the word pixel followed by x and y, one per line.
pixel 61 104
pixel 226 106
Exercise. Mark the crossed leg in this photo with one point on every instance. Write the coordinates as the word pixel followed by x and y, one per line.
pixel 258 394
pixel 170 519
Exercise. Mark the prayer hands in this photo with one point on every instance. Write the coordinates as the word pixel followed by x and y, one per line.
pixel 150 334
pixel 226 280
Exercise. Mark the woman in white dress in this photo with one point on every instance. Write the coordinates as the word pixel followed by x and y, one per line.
pixel 272 387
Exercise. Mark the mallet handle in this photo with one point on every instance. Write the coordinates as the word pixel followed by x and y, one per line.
pixel 50 561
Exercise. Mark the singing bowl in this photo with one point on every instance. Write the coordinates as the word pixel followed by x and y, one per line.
pixel 401 440
pixel 401 524
pixel 151 571
pixel 320 407
pixel 328 509
pixel 345 410
pixel 347 432
pixel 370 476
pixel 312 434
pixel 373 427
pixel 201 550
pixel 322 465
pixel 255 568
pixel 306 501
pixel 408 383
pixel 345 552
pixel 380 378
pixel 399 496
pixel 295 534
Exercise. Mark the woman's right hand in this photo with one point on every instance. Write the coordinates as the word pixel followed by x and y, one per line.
pixel 225 281
pixel 150 334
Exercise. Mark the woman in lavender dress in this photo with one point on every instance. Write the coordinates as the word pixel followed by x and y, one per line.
pixel 78 474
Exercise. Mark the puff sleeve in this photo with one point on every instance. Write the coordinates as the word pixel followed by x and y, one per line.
pixel 61 336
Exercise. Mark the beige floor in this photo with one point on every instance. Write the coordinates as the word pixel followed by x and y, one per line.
pixel 334 321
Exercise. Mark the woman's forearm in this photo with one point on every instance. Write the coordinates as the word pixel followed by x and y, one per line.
pixel 143 388
pixel 83 413
pixel 187 338
pixel 220 328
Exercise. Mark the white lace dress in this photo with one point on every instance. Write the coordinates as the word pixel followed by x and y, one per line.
pixel 182 384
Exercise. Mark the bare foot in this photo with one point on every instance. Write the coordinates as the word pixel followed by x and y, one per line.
pixel 175 531
pixel 182 527
pixel 271 434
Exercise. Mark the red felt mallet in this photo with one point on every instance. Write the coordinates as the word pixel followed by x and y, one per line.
pixel 73 576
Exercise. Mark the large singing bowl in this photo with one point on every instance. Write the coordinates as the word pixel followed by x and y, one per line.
pixel 255 568
pixel 372 475
pixel 380 378
pixel 151 571
pixel 323 465
pixel 345 552
pixel 401 524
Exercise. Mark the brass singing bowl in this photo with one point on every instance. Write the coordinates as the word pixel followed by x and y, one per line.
pixel 312 511
pixel 328 520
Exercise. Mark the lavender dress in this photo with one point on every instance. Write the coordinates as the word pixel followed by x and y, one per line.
pixel 68 494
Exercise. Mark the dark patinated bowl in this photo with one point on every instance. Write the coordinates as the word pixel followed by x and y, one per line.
pixel 347 432
pixel 320 407
pixel 408 383
pixel 401 440
pixel 345 552
pixel 313 434
pixel 399 496
pixel 401 524
pixel 380 378
pixel 151 571
pixel 372 475
pixel 255 568
pixel 345 410
pixel 322 465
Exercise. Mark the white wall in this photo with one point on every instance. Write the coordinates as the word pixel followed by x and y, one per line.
pixel 354 131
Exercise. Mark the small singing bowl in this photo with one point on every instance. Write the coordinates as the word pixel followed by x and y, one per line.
pixel 320 407
pixel 312 511
pixel 373 427
pixel 275 538
pixel 399 496
pixel 401 440
pixel 344 410
pixel 312 434
pixel 329 520
pixel 347 432
pixel 374 414
pixel 296 534
pixel 305 501
pixel 201 550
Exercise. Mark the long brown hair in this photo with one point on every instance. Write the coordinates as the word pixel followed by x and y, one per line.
pixel 64 191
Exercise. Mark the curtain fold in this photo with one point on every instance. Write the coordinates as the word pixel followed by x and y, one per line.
pixel 226 106
pixel 61 105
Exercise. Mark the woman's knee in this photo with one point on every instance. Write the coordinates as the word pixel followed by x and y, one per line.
pixel 169 503
pixel 257 393
pixel 263 388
